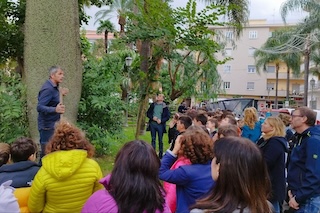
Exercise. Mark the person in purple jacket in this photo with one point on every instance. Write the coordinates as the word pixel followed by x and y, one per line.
pixel 133 185
pixel 192 181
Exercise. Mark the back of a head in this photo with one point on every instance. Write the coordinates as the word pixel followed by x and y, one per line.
pixel 134 182
pixel 185 120
pixel 228 130
pixel 192 113
pixel 285 118
pixel 197 145
pixel 250 117
pixel 202 118
pixel 22 149
pixel 242 174
pixel 66 136
pixel 4 153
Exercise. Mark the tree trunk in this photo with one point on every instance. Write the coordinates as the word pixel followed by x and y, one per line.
pixel 277 82
pixel 141 121
pixel 306 77
pixel 52 38
pixel 106 40
pixel 144 87
pixel 288 83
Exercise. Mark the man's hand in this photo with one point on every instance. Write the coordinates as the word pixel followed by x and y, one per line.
pixel 60 108
pixel 292 202
pixel 156 119
pixel 64 91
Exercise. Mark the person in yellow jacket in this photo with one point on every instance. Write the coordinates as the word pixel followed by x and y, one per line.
pixel 68 176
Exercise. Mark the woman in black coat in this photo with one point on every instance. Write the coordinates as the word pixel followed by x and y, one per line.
pixel 274 147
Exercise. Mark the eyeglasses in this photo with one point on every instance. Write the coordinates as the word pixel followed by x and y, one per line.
pixel 296 116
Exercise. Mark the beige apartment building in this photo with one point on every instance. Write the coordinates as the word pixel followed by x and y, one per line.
pixel 240 76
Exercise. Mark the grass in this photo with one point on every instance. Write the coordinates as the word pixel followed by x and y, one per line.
pixel 106 162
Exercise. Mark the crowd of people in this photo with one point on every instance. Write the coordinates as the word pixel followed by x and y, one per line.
pixel 215 163
pixel 211 166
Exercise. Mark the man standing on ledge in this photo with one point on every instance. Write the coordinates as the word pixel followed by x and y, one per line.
pixel 49 105
pixel 158 114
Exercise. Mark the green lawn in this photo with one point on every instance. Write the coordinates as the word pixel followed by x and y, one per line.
pixel 106 162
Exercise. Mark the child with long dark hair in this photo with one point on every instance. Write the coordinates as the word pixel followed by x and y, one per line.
pixel 133 185
pixel 242 183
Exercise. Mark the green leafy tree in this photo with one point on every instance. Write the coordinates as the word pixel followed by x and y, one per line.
pixel 101 108
pixel 177 37
pixel 237 13
pixel 12 15
pixel 13 111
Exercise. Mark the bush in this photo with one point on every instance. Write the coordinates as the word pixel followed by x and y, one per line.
pixel 101 108
pixel 13 107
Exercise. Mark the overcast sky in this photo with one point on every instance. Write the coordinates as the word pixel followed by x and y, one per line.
pixel 259 9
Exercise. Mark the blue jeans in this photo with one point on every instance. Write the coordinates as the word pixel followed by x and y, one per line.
pixel 312 205
pixel 45 136
pixel 154 128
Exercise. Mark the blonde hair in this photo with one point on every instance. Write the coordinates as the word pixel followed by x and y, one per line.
pixel 250 117
pixel 278 128
pixel 285 118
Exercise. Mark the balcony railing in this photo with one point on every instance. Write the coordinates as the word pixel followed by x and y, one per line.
pixel 283 76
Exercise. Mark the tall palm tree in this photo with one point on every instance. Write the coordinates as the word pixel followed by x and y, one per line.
pixel 309 25
pixel 105 26
pixel 118 8
pixel 261 60
pixel 238 15
pixel 292 60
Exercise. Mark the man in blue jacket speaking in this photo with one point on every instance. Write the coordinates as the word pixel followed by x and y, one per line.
pixel 304 167
pixel 49 105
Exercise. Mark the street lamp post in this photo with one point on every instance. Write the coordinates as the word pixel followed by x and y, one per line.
pixel 128 62
pixel 312 84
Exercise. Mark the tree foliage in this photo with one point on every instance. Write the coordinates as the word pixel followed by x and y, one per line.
pixel 182 38
pixel 101 108
pixel 13 114
pixel 12 16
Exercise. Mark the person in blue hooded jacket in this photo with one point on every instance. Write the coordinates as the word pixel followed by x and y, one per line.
pixel 24 168
pixel 192 181
pixel 274 146
pixel 304 167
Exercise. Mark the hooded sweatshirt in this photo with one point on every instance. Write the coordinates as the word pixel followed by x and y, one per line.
pixel 64 182
pixel 21 173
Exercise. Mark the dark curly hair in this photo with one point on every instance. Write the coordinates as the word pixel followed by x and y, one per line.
pixel 68 137
pixel 197 145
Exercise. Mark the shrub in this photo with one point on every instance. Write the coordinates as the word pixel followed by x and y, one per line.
pixel 101 108
pixel 13 107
